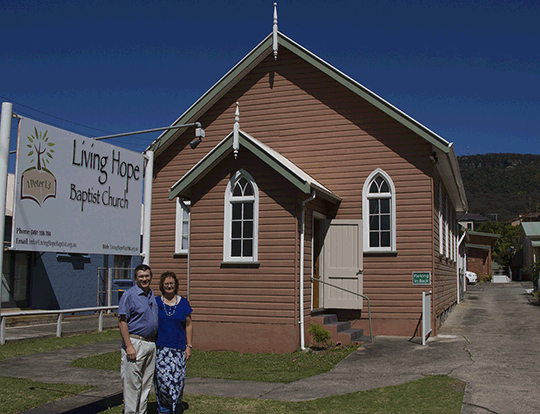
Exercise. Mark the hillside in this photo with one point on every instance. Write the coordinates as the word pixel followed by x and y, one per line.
pixel 503 184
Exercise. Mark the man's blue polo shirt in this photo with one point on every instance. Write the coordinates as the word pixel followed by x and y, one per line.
pixel 141 312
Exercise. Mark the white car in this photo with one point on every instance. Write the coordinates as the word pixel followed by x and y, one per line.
pixel 471 277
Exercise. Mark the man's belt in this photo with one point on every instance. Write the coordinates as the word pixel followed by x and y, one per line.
pixel 142 338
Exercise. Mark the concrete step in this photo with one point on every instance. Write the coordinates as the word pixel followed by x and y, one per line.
pixel 339 331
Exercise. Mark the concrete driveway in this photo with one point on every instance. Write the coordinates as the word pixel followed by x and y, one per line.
pixel 502 333
pixel 490 340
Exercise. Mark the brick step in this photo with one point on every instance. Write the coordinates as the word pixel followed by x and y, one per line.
pixel 339 331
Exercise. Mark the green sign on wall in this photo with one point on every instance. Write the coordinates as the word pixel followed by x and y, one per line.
pixel 421 278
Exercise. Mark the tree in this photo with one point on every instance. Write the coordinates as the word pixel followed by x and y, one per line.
pixel 507 244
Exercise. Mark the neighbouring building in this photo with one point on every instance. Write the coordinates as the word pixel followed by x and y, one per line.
pixel 530 239
pixel 47 280
pixel 471 221
pixel 479 252
pixel 303 173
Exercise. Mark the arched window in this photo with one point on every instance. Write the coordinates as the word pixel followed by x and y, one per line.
pixel 379 212
pixel 240 241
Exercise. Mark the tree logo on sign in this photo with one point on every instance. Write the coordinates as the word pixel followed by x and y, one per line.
pixel 38 183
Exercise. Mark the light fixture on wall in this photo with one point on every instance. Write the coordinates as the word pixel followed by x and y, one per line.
pixel 199 133
pixel 433 157
pixel 193 144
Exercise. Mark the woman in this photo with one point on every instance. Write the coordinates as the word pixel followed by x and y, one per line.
pixel 174 344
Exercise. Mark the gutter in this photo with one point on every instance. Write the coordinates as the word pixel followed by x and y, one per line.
pixel 302 248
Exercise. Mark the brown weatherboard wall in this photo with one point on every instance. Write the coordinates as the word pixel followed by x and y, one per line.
pixel 337 138
pixel 445 282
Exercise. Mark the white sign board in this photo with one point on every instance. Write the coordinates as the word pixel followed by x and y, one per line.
pixel 75 194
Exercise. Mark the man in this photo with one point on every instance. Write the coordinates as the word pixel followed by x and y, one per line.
pixel 138 322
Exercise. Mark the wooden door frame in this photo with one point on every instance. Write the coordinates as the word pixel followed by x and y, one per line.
pixel 321 217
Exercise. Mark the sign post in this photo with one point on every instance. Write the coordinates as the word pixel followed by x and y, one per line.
pixel 5 130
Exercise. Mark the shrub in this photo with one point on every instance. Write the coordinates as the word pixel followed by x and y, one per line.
pixel 320 335
pixel 485 278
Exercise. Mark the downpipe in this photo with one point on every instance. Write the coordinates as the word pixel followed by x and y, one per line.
pixel 302 248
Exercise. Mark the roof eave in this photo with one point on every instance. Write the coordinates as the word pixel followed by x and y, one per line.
pixel 448 168
pixel 260 52
pixel 183 186
pixel 220 88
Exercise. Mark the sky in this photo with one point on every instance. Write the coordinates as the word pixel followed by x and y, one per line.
pixel 468 70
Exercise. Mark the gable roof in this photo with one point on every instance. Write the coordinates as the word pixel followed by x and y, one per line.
pixel 303 181
pixel 447 164
pixel 478 233
pixel 531 229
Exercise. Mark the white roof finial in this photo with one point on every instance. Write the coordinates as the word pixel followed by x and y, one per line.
pixel 275 31
pixel 236 128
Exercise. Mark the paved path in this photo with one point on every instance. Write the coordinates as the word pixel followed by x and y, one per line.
pixel 491 341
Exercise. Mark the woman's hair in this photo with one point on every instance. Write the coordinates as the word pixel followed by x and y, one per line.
pixel 164 276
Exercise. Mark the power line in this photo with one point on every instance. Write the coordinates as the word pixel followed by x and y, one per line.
pixel 141 140
pixel 52 116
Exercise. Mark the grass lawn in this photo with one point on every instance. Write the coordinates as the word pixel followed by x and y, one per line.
pixel 247 367
pixel 18 395
pixel 436 394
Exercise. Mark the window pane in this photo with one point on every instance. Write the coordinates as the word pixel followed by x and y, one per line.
pixel 385 188
pixel 236 248
pixel 248 230
pixel 373 239
pixel 248 211
pixel 242 183
pixel 385 205
pixel 236 229
pixel 249 190
pixel 185 228
pixel 385 222
pixel 374 222
pixel 237 192
pixel 373 206
pixel 373 188
pixel 385 239
pixel 237 211
pixel 184 242
pixel 248 248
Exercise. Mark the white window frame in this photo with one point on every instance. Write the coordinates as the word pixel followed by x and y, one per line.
pixel 366 196
pixel 441 229
pixel 182 206
pixel 229 200
pixel 446 236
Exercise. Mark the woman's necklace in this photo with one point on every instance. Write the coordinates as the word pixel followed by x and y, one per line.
pixel 172 308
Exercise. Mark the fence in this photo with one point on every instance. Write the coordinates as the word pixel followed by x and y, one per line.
pixel 100 309
pixel 426 315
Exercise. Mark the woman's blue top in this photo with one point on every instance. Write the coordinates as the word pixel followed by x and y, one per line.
pixel 172 323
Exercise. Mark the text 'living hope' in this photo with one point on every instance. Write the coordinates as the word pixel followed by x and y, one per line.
pixel 94 161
